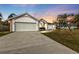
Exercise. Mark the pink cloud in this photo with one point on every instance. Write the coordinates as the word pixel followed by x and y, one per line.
pixel 51 13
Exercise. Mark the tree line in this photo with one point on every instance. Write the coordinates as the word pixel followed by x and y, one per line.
pixel 67 19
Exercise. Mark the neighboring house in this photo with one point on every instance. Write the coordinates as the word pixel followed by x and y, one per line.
pixel 51 26
pixel 47 25
pixel 23 22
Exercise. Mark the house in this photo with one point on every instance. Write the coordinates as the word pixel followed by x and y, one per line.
pixel 23 22
pixel 48 26
pixel 51 26
pixel 43 24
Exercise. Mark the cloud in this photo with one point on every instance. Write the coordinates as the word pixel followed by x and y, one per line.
pixel 51 13
pixel 61 9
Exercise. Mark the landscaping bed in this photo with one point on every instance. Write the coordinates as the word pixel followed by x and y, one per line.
pixel 3 33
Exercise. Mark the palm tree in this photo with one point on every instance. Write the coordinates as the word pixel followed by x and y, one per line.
pixel 12 15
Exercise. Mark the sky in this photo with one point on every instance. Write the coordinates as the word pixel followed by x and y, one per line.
pixel 48 12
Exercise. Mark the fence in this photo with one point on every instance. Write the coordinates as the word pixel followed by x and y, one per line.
pixel 4 28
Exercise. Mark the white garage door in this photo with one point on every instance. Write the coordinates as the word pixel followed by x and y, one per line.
pixel 26 27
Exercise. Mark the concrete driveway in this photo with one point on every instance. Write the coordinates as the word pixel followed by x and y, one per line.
pixel 32 43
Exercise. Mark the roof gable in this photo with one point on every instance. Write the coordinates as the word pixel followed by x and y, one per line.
pixel 25 18
pixel 43 20
pixel 22 16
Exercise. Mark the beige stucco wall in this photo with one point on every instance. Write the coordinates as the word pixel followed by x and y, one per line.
pixel 11 22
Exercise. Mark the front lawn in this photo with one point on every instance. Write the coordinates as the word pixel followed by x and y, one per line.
pixel 3 33
pixel 65 37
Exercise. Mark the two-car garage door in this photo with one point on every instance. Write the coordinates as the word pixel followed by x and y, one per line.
pixel 23 26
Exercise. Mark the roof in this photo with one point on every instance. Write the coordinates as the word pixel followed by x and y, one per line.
pixel 43 20
pixel 46 21
pixel 21 16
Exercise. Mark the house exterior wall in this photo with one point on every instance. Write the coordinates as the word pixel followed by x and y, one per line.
pixel 46 26
pixel 10 26
pixel 54 27
pixel 51 27
pixel 13 25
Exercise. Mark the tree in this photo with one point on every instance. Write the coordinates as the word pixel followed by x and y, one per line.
pixel 12 15
pixel 62 20
pixel 1 22
pixel 65 20
pixel 70 20
pixel 1 18
pixel 77 19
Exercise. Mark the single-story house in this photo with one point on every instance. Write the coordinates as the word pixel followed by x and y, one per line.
pixel 23 22
pixel 51 26
pixel 47 25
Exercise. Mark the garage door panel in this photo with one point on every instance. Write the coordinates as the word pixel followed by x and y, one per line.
pixel 25 27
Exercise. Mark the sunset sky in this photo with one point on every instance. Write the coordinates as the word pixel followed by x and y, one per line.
pixel 47 11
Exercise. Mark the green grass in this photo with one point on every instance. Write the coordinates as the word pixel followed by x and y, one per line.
pixel 3 33
pixel 65 37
